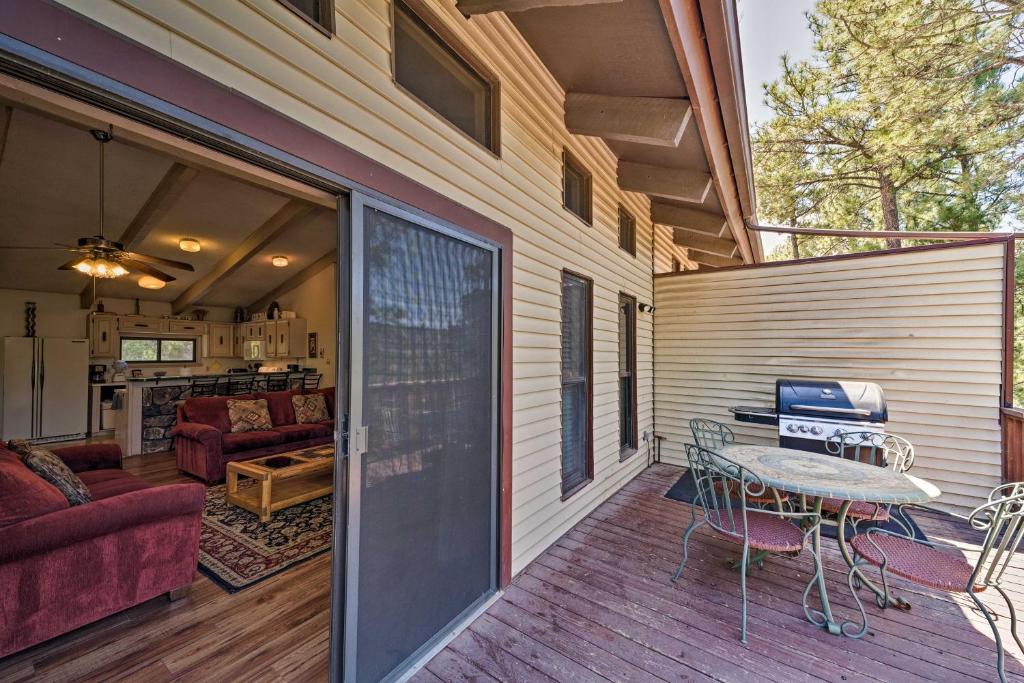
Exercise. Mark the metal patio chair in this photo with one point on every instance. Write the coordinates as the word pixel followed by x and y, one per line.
pixel 1002 520
pixel 883 450
pixel 714 436
pixel 717 480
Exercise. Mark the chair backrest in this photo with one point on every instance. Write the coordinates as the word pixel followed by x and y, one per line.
pixel 311 381
pixel 883 450
pixel 277 381
pixel 722 489
pixel 204 386
pixel 240 384
pixel 710 434
pixel 1002 520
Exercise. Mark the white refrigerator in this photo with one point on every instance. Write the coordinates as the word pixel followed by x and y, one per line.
pixel 45 387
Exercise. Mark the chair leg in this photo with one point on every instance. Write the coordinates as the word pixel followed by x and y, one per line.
pixel 686 541
pixel 743 593
pixel 995 632
pixel 1013 617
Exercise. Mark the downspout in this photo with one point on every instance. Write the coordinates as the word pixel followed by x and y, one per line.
pixel 686 31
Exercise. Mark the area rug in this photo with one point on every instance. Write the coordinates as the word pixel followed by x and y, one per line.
pixel 685 490
pixel 237 550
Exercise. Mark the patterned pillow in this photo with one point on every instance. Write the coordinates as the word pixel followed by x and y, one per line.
pixel 52 469
pixel 249 415
pixel 309 408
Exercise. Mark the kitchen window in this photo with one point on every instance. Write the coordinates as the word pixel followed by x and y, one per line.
pixel 627 232
pixel 577 383
pixel 158 350
pixel 576 187
pixel 318 13
pixel 627 376
pixel 431 66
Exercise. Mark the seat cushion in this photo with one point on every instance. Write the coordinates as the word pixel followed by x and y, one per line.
pixel 23 493
pixel 767 532
pixel 54 470
pixel 279 403
pixel 916 562
pixel 303 431
pixel 212 411
pixel 107 483
pixel 247 441
pixel 874 512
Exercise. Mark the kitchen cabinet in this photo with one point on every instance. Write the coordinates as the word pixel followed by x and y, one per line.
pixel 238 340
pixel 186 327
pixel 221 344
pixel 255 329
pixel 286 338
pixel 102 335
pixel 136 323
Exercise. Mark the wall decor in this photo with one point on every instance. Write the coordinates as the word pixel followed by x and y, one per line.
pixel 30 318
pixel 313 345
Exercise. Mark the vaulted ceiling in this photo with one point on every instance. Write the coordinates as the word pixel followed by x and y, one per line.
pixel 49 194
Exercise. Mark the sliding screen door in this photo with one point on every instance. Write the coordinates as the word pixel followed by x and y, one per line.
pixel 423 467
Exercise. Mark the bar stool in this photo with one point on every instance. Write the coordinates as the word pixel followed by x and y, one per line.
pixel 311 382
pixel 277 381
pixel 204 386
pixel 239 384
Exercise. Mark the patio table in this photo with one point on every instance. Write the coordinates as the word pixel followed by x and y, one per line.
pixel 817 476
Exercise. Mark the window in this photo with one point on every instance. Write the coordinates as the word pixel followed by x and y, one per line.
pixel 577 379
pixel 443 78
pixel 319 13
pixel 627 376
pixel 576 186
pixel 627 232
pixel 158 350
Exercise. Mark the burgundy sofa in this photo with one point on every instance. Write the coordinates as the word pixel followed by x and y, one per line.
pixel 63 567
pixel 204 443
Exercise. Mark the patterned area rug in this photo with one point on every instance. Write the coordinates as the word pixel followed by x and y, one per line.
pixel 236 550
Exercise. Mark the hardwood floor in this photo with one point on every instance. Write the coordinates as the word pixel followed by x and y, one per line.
pixel 276 630
pixel 596 606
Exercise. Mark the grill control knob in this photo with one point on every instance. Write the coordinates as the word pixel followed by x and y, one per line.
pixel 816 430
pixel 803 429
pixel 791 428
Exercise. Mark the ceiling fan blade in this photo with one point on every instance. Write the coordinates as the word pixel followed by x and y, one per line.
pixel 59 248
pixel 146 269
pixel 157 261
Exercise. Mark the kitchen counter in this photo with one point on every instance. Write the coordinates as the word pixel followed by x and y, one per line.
pixel 223 375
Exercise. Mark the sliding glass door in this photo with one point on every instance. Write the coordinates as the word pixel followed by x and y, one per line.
pixel 422 488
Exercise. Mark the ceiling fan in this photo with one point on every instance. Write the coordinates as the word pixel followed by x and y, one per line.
pixel 99 257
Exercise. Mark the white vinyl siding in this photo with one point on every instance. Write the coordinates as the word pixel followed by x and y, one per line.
pixel 925 325
pixel 343 88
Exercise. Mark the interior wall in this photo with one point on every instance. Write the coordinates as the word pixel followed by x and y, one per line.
pixel 315 301
pixel 925 325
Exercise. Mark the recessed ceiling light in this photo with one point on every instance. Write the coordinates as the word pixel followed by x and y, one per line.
pixel 190 245
pixel 280 261
pixel 150 282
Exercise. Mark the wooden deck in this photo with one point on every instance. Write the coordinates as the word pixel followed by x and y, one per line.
pixel 598 605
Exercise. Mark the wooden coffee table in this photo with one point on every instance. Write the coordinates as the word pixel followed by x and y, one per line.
pixel 282 480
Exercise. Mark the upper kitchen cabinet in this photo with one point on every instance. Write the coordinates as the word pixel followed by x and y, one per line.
pixel 102 333
pixel 221 340
pixel 286 338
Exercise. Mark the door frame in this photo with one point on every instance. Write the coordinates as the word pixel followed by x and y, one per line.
pixel 54 61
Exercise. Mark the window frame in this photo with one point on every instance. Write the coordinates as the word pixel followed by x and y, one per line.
pixel 570 160
pixel 446 37
pixel 626 450
pixel 588 465
pixel 630 246
pixel 326 23
pixel 159 349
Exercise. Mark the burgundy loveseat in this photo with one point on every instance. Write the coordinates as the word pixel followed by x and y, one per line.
pixel 63 567
pixel 204 443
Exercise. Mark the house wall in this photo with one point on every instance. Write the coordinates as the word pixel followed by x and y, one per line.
pixel 925 325
pixel 315 300
pixel 342 87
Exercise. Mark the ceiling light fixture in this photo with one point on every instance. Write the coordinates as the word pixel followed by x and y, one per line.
pixel 100 267
pixel 150 282
pixel 189 244
pixel 280 261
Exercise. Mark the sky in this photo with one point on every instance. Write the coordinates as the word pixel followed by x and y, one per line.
pixel 768 29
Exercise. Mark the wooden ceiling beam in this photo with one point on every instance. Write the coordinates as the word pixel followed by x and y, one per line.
pixel 702 242
pixel 690 219
pixel 6 114
pixel 307 273
pixel 714 260
pixel 291 215
pixel 154 209
pixel 661 181
pixel 471 7
pixel 646 120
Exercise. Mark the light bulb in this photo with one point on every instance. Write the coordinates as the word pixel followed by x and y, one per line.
pixel 280 261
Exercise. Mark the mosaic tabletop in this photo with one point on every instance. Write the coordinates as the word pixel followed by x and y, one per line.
pixel 817 474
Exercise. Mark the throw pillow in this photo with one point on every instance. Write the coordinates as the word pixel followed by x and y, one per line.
pixel 310 408
pixel 249 415
pixel 54 470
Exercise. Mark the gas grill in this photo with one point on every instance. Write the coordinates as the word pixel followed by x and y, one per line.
pixel 808 412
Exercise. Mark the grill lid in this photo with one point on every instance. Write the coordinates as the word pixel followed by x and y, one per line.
pixel 853 401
